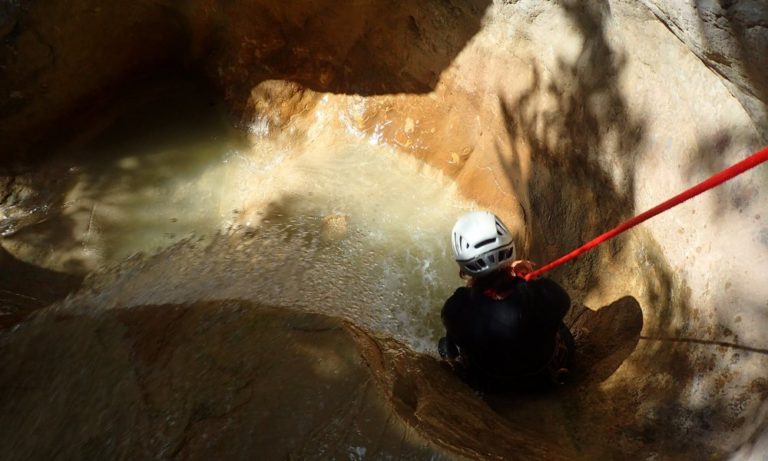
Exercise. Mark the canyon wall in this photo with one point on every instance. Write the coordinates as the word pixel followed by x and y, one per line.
pixel 730 38
pixel 563 117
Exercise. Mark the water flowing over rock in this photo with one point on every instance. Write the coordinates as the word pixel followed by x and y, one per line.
pixel 287 298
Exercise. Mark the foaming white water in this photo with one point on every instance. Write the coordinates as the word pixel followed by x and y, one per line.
pixel 327 223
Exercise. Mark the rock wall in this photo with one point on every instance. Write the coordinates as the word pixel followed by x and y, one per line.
pixel 58 58
pixel 231 380
pixel 565 121
pixel 729 37
pixel 195 382
pixel 565 118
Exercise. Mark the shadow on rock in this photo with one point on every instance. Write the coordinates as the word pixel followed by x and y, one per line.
pixel 232 380
pixel 604 338
pixel 569 414
pixel 25 288
pixel 583 140
pixel 430 398
pixel 371 47
pixel 217 380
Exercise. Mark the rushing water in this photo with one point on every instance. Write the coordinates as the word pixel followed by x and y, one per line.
pixel 324 220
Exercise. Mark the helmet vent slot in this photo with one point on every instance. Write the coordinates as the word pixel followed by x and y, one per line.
pixel 481 263
pixel 484 242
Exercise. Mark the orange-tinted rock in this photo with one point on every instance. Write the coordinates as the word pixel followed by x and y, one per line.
pixel 563 118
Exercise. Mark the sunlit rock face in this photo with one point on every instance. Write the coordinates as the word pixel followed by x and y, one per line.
pixel 729 37
pixel 565 119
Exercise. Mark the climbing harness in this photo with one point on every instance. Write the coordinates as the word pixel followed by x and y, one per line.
pixel 713 181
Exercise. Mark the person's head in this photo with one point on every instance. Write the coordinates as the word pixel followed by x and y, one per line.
pixel 482 244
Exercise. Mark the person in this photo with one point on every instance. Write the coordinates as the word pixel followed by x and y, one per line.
pixel 501 330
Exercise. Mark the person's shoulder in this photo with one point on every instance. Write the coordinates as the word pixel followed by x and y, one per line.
pixel 456 300
pixel 459 296
pixel 544 283
pixel 460 292
pixel 550 292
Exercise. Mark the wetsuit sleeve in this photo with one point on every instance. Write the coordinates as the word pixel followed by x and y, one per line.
pixel 553 300
pixel 451 320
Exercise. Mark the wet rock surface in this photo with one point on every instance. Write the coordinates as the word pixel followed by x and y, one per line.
pixel 25 288
pixel 563 118
pixel 323 45
pixel 231 380
pixel 213 380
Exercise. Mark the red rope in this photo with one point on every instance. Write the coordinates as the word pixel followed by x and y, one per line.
pixel 715 180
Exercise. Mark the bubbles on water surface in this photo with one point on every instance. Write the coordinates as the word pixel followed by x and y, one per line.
pixel 386 265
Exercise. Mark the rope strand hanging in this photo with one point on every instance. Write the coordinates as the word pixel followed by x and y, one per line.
pixel 713 181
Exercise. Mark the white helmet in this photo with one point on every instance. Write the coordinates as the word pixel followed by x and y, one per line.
pixel 481 243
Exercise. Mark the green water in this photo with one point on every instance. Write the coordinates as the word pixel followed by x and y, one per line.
pixel 142 176
pixel 168 203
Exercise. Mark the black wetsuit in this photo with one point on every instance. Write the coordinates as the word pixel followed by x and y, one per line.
pixel 508 338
